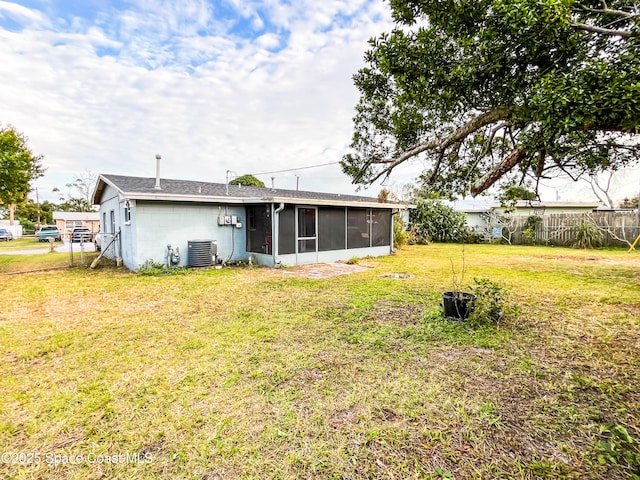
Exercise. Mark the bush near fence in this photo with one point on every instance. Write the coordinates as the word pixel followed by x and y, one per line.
pixel 619 229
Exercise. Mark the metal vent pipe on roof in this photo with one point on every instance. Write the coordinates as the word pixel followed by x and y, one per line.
pixel 158 157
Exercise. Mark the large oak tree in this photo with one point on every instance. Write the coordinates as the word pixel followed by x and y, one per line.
pixel 485 90
pixel 18 168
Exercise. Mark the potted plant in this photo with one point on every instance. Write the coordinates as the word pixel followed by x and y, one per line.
pixel 456 303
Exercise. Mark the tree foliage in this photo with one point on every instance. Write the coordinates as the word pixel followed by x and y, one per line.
pixel 30 211
pixel 433 221
pixel 247 181
pixel 511 193
pixel 18 166
pixel 488 90
pixel 80 190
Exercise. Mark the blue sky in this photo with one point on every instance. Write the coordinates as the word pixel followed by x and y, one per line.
pixel 243 85
pixel 248 86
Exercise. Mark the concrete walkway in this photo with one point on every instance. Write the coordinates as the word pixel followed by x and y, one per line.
pixel 324 270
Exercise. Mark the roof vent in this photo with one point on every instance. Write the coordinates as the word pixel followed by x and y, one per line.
pixel 157 187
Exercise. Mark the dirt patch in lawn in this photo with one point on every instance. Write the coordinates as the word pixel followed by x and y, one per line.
pixel 324 270
pixel 630 260
pixel 393 312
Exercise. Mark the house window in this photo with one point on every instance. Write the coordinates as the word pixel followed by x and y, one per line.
pixel 112 216
pixel 127 212
pixel 104 222
pixel 538 210
pixel 69 225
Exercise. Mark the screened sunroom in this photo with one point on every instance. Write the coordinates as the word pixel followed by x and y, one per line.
pixel 316 233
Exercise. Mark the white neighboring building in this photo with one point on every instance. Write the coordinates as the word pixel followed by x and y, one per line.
pixel 482 213
pixel 15 229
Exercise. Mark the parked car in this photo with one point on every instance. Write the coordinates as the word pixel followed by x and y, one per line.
pixel 48 231
pixel 5 235
pixel 81 234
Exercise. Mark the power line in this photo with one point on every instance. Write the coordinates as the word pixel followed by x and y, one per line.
pixel 295 169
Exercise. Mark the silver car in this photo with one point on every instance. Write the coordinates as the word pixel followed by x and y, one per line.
pixel 5 235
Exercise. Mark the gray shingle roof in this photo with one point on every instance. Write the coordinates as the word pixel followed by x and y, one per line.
pixel 191 188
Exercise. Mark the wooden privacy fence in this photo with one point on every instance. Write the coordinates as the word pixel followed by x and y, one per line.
pixel 618 228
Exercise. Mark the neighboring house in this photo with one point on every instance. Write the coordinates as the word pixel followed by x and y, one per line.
pixel 525 208
pixel 67 221
pixel 268 226
pixel 483 215
pixel 476 210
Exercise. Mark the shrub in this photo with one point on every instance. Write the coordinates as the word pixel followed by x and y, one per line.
pixel 588 235
pixel 247 181
pixel 491 302
pixel 151 268
pixel 400 233
pixel 436 222
pixel 530 226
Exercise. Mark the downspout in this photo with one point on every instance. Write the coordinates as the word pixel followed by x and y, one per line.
pixel 276 233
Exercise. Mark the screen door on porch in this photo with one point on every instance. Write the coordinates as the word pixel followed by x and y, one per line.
pixel 307 236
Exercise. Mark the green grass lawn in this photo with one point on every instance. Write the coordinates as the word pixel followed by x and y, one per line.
pixel 24 243
pixel 259 373
pixel 15 263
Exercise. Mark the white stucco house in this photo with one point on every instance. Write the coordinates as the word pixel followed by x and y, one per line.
pixel 150 218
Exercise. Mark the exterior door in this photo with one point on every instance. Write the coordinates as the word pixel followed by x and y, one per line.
pixel 306 235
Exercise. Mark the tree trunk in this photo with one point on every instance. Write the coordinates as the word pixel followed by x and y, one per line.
pixel 12 213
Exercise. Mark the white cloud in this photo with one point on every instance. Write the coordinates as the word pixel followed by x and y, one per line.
pixel 268 40
pixel 166 77
pixel 108 95
pixel 20 13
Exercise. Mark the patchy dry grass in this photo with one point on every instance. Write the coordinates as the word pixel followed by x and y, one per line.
pixel 25 243
pixel 257 373
pixel 12 262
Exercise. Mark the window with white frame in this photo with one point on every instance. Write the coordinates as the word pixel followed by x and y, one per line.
pixel 69 225
pixel 127 213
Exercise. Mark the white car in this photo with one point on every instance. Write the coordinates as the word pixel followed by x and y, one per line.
pixel 97 240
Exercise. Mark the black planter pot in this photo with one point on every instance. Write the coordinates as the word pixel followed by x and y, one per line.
pixel 457 305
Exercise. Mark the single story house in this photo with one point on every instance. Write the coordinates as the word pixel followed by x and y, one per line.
pixel 483 214
pixel 193 223
pixel 527 208
pixel 67 221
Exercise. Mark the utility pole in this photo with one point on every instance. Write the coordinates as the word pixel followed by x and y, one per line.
pixel 38 203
